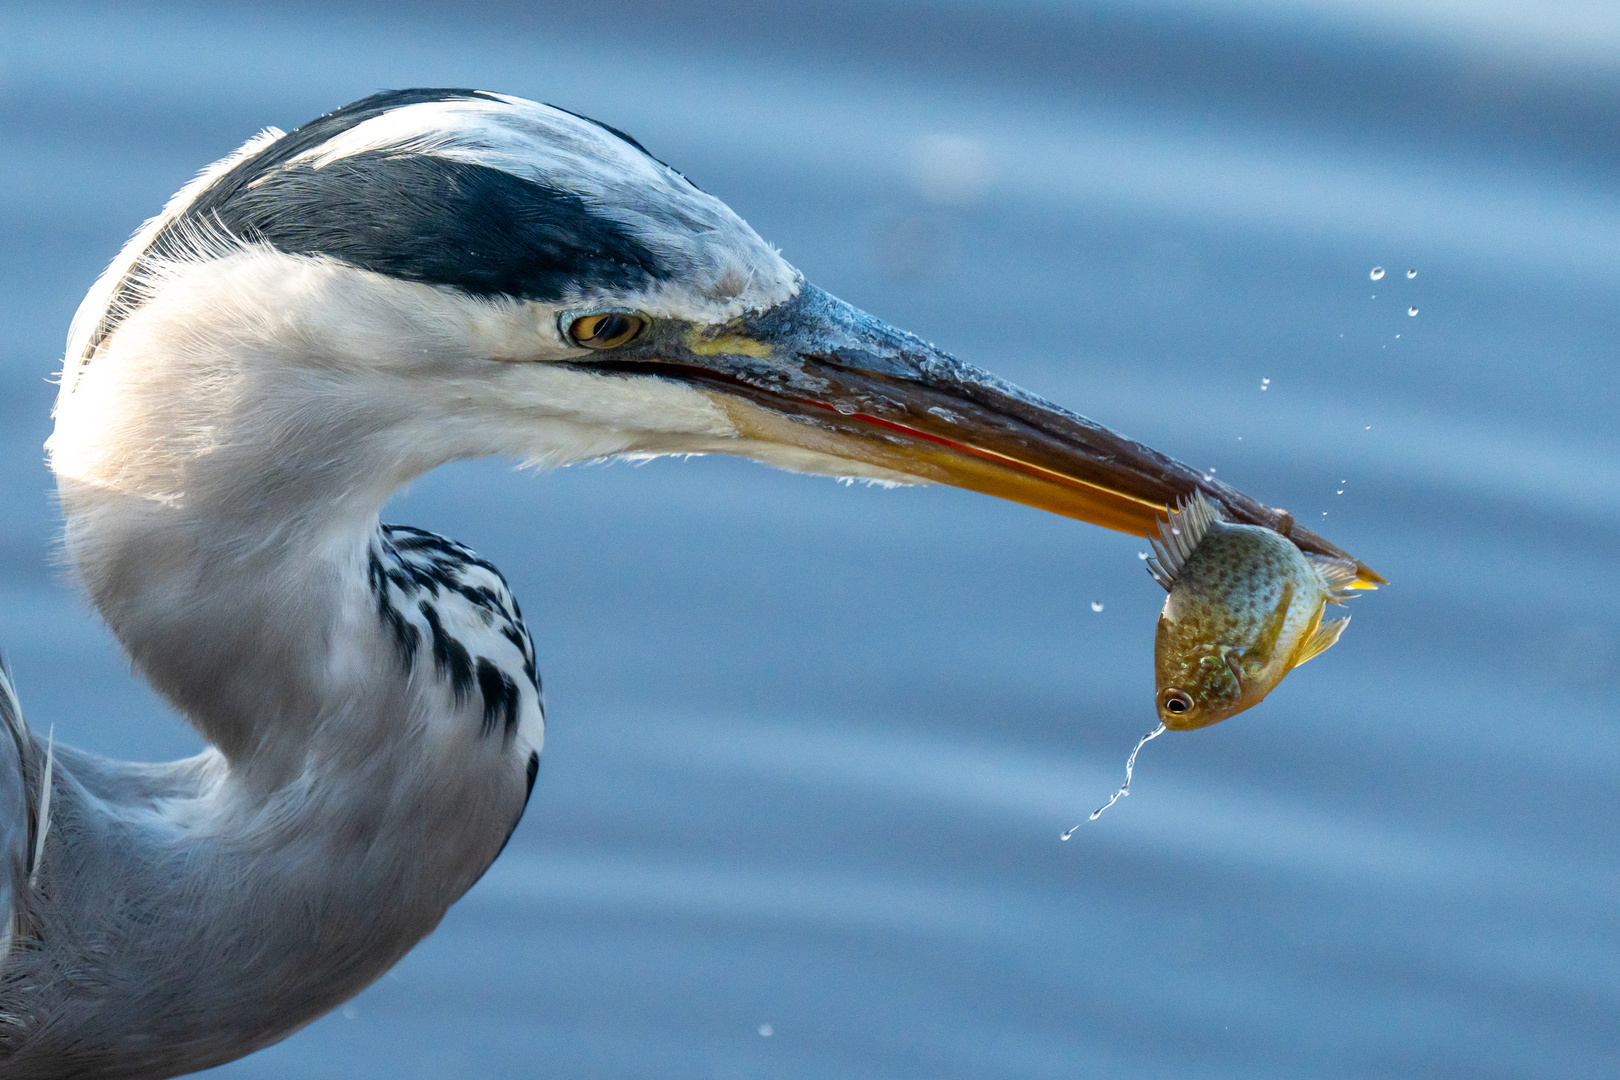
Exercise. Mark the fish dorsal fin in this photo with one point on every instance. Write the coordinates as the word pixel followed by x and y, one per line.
pixel 1321 641
pixel 1178 536
pixel 1338 577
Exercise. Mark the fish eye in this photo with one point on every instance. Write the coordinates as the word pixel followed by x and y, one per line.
pixel 1177 702
pixel 605 329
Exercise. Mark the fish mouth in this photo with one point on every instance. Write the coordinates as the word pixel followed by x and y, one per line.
pixel 1198 718
pixel 819 375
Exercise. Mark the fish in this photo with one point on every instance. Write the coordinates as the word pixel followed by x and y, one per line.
pixel 1245 608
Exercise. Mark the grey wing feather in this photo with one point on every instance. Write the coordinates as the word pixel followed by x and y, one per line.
pixel 15 742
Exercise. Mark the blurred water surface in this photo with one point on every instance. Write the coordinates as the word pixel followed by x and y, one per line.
pixel 811 747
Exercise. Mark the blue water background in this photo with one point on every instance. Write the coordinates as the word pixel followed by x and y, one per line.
pixel 811 747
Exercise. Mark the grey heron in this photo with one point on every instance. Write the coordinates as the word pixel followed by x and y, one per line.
pixel 419 277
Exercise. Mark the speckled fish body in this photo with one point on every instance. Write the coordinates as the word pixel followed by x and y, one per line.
pixel 1245 608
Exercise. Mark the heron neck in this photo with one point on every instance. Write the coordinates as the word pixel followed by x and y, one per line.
pixel 220 500
pixel 256 634
pixel 220 488
pixel 223 457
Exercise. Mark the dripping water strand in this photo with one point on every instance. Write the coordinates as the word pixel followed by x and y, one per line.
pixel 1125 789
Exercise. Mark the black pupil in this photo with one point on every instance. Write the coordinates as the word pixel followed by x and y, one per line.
pixel 608 327
pixel 1175 704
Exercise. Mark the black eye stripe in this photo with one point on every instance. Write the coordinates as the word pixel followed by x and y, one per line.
pixel 416 217
pixel 442 222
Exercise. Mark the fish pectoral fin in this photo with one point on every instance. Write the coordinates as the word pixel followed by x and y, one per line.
pixel 1265 642
pixel 1235 666
pixel 1321 641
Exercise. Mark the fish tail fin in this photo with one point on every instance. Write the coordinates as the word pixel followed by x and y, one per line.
pixel 1338 577
pixel 1189 522
pixel 1322 640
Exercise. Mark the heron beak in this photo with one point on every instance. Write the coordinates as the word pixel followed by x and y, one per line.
pixel 820 375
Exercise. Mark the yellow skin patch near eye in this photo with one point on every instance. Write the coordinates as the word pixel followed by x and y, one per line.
pixel 726 345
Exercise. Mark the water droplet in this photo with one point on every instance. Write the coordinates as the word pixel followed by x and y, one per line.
pixel 1212 470
pixel 1411 311
pixel 1142 555
pixel 845 408
pixel 1176 530
pixel 1125 789
pixel 1096 605
pixel 1339 492
pixel 1377 272
pixel 1410 274
pixel 766 1031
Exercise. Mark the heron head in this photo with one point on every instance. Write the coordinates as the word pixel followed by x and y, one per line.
pixel 509 277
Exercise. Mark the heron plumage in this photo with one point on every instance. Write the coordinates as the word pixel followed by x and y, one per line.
pixel 18 835
pixel 316 320
pixel 492 195
pixel 228 428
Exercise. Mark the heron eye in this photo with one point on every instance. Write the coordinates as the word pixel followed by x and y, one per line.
pixel 1177 702
pixel 608 330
